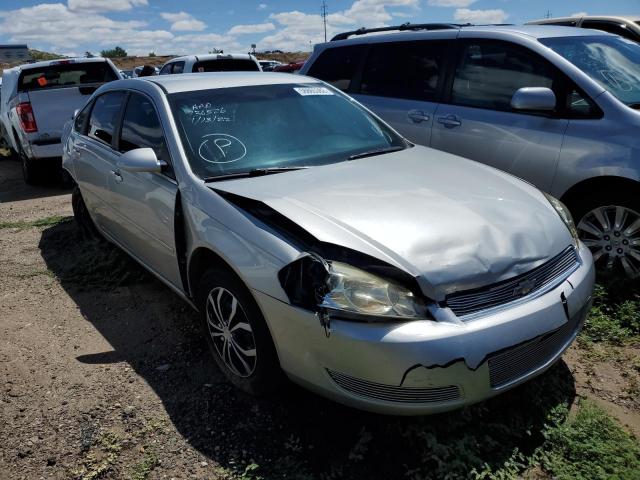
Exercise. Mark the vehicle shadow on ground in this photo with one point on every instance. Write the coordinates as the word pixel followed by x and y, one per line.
pixel 295 434
pixel 13 188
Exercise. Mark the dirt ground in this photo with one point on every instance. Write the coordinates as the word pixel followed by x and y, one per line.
pixel 104 374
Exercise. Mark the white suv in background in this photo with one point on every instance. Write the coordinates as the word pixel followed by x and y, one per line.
pixel 39 98
pixel 627 27
pixel 556 106
pixel 213 62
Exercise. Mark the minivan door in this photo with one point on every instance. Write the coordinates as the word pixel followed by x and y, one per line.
pixel 401 82
pixel 477 121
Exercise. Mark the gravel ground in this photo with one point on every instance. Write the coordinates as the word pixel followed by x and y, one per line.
pixel 105 375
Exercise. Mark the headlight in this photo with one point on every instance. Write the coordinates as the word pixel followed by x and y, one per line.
pixel 354 290
pixel 564 214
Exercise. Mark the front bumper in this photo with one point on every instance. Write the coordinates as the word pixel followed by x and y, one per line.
pixel 422 367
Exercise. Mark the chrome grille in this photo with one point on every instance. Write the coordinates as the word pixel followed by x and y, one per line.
pixel 555 270
pixel 391 393
pixel 511 364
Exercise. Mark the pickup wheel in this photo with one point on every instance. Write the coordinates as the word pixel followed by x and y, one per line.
pixel 237 333
pixel 29 172
pixel 81 215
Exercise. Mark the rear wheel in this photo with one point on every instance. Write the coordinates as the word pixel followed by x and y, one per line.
pixel 609 224
pixel 29 171
pixel 237 333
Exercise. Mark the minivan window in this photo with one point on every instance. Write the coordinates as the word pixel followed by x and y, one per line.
pixel 225 65
pixel 240 129
pixel 65 75
pixel 338 66
pixel 489 73
pixel 104 116
pixel 613 62
pixel 409 70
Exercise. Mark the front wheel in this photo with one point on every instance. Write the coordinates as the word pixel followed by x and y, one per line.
pixel 237 333
pixel 609 224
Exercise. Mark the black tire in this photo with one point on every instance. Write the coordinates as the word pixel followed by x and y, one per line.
pixel 29 171
pixel 609 262
pixel 81 215
pixel 262 374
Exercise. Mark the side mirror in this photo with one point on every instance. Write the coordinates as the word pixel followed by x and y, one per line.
pixel 536 99
pixel 140 160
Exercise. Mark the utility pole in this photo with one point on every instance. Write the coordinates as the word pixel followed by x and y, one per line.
pixel 324 18
pixel 548 14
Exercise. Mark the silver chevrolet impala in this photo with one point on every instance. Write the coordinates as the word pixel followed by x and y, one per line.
pixel 317 242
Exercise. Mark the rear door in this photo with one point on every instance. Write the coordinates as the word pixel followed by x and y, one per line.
pixel 478 122
pixel 401 82
pixel 95 158
pixel 56 91
pixel 144 203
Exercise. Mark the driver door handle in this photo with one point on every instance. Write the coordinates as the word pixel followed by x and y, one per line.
pixel 417 116
pixel 450 121
pixel 117 175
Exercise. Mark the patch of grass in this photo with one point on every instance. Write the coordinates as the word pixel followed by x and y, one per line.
pixel 615 316
pixel 142 469
pixel 589 445
pixel 41 222
pixel 98 462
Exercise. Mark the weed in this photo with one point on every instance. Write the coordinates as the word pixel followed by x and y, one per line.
pixel 142 469
pixel 615 316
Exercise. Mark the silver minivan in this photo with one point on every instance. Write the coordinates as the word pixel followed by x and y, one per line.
pixel 556 106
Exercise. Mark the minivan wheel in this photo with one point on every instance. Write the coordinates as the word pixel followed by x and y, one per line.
pixel 237 333
pixel 609 224
pixel 81 215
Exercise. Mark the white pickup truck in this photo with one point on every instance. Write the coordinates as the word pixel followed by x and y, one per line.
pixel 36 101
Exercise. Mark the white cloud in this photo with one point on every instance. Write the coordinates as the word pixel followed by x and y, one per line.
pixel 579 14
pixel 262 6
pixel 450 3
pixel 183 22
pixel 105 5
pixel 248 29
pixel 464 15
pixel 296 29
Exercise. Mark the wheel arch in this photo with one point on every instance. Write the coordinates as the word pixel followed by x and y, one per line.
pixel 203 259
pixel 573 197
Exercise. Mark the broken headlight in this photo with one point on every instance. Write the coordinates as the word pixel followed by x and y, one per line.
pixel 353 290
pixel 564 214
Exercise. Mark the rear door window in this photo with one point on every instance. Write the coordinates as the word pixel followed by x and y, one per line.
pixel 65 75
pixel 225 65
pixel 338 66
pixel 411 70
pixel 489 73
pixel 104 116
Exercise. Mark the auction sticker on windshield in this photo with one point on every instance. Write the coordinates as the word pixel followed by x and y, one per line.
pixel 306 91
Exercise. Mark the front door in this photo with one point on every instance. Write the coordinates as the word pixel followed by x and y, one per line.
pixel 478 122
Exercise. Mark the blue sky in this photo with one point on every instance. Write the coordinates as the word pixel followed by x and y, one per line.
pixel 195 26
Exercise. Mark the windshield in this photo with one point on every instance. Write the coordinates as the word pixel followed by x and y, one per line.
pixel 233 130
pixel 65 74
pixel 613 62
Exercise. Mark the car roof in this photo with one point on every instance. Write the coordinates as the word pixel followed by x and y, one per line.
pixel 187 82
pixel 628 18
pixel 214 56
pixel 531 31
pixel 59 61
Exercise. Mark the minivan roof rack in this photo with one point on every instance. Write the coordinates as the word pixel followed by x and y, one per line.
pixel 398 28
pixel 411 27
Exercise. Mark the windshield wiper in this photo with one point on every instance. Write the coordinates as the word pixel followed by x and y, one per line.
pixel 256 172
pixel 379 151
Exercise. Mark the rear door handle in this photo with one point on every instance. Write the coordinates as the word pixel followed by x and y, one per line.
pixel 417 116
pixel 117 175
pixel 450 121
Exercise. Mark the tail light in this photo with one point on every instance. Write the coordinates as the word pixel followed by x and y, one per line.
pixel 27 119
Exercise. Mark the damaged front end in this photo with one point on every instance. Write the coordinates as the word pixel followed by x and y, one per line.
pixel 338 288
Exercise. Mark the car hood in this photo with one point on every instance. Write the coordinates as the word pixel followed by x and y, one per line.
pixel 452 223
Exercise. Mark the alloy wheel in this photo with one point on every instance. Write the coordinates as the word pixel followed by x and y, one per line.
pixel 612 233
pixel 231 332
